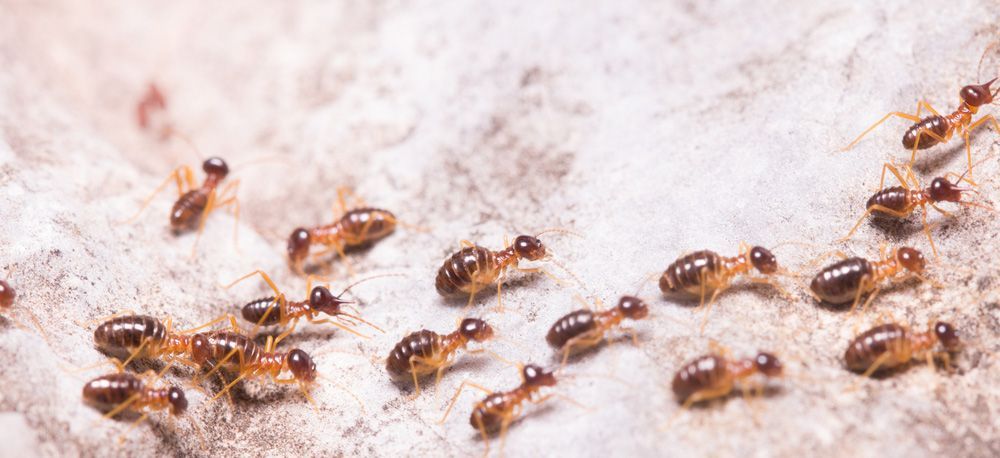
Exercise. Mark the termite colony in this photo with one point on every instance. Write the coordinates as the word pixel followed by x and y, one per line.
pixel 230 353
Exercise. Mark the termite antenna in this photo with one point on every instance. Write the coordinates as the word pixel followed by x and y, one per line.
pixel 561 231
pixel 187 141
pixel 373 277
pixel 346 390
pixel 552 257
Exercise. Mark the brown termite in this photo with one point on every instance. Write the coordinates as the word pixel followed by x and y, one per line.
pixel 115 393
pixel 473 268
pixel 7 297
pixel 714 376
pixel 585 328
pixel 705 271
pixel 150 112
pixel 277 310
pixel 144 337
pixel 424 352
pixel 238 353
pixel 495 413
pixel 351 229
pixel 902 201
pixel 848 279
pixel 121 392
pixel 932 130
pixel 889 346
pixel 195 203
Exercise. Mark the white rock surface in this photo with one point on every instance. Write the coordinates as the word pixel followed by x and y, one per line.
pixel 654 129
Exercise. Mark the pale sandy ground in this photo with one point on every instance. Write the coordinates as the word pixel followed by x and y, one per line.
pixel 652 129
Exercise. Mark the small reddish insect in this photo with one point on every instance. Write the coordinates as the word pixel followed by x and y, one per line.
pixel 353 228
pixel 585 328
pixel 278 310
pixel 495 413
pixel 7 295
pixel 889 346
pixel 122 392
pixel 115 393
pixel 847 280
pixel 703 272
pixel 473 268
pixel 423 352
pixel 932 130
pixel 237 352
pixel 714 376
pixel 902 201
pixel 144 337
pixel 150 113
pixel 7 298
pixel 194 203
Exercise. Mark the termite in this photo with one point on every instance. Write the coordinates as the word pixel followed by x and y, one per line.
pixel 195 203
pixel 116 393
pixel 889 346
pixel 585 328
pixel 495 413
pixel 424 352
pixel 7 298
pixel 902 201
pixel 351 229
pixel 473 268
pixel 143 336
pixel 277 310
pixel 847 280
pixel 932 130
pixel 705 271
pixel 150 112
pixel 237 352
pixel 714 376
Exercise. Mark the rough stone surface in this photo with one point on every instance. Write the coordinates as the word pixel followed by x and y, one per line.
pixel 653 129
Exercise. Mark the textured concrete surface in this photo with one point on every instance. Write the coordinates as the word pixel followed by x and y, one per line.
pixel 653 129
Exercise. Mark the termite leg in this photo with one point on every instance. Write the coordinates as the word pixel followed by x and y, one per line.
pixel 916 142
pixel 906 116
pixel 232 200
pixel 968 147
pixel 458 391
pixel 892 168
pixel 286 332
pixel 209 206
pixel 877 363
pixel 870 210
pixel 176 176
pixel 708 308
pixel 581 341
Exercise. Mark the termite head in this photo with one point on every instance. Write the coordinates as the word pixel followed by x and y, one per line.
pixel 633 307
pixel 947 335
pixel 768 364
pixel 7 295
pixel 302 366
pixel 763 260
pixel 201 349
pixel 911 259
pixel 322 300
pixel 942 190
pixel 298 245
pixel 215 166
pixel 475 329
pixel 536 376
pixel 178 402
pixel 977 95
pixel 529 247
